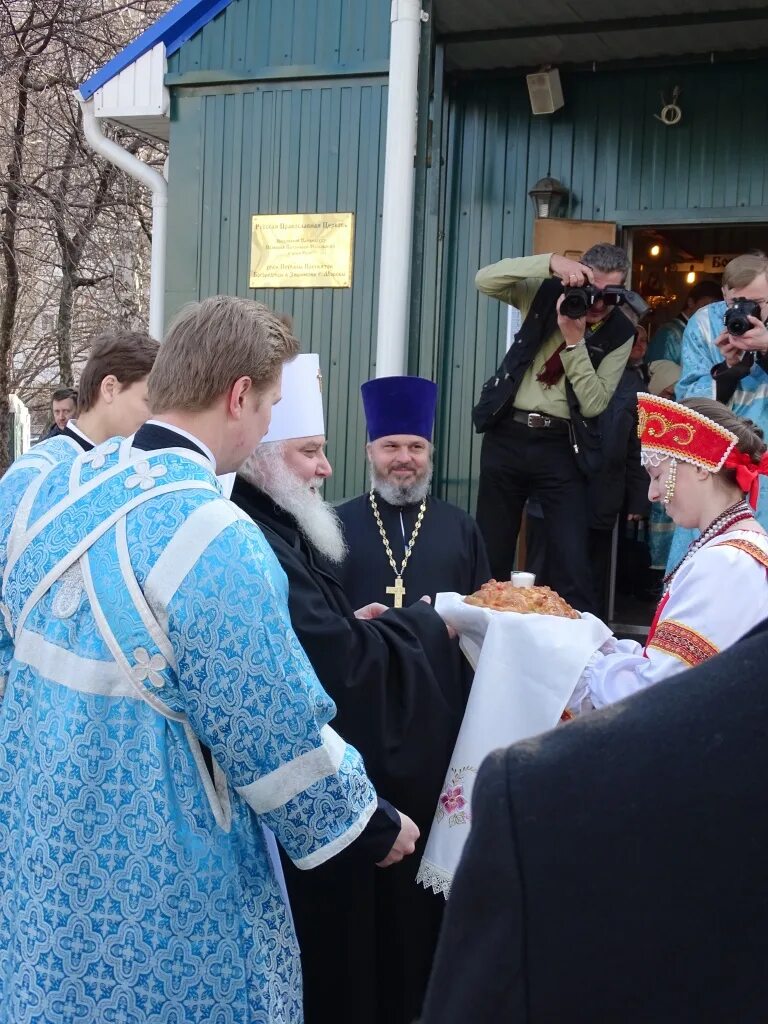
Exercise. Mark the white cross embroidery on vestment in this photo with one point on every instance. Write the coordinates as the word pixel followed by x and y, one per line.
pixel 145 476
pixel 148 668
pixel 97 459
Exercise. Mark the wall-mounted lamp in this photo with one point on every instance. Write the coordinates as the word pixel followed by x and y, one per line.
pixel 690 277
pixel 547 196
pixel 655 250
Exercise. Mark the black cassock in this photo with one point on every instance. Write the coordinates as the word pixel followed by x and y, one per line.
pixel 367 934
pixel 448 555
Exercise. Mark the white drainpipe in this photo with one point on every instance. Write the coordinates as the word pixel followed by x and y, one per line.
pixel 158 186
pixel 397 225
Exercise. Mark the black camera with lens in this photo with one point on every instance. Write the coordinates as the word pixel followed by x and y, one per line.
pixel 736 319
pixel 578 300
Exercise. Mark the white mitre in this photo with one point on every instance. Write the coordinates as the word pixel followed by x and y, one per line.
pixel 299 413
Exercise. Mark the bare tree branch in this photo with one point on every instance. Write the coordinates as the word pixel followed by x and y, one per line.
pixel 75 233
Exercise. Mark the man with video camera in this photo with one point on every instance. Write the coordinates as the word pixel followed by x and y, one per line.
pixel 539 412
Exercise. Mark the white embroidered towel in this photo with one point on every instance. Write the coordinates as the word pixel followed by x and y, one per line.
pixel 526 668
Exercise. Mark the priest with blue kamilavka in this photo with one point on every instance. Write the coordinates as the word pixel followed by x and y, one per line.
pixel 405 544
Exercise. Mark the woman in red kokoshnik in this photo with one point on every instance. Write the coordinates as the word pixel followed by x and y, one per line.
pixel 704 465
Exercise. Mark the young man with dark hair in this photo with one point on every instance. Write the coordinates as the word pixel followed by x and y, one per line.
pixel 113 388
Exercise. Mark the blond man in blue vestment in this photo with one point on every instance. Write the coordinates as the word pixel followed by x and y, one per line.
pixel 158 710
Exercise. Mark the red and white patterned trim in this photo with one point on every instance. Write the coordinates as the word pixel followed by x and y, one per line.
pixel 682 642
pixel 748 548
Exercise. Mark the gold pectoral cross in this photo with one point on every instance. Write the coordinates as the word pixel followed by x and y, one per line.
pixel 398 591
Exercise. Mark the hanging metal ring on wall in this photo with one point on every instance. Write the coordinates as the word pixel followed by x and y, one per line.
pixel 670 114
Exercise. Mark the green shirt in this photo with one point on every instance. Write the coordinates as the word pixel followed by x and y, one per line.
pixel 516 281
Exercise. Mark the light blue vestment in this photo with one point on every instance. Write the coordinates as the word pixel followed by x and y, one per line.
pixel 666 342
pixel 143 615
pixel 750 399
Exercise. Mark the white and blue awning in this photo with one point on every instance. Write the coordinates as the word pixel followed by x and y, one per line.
pixel 130 89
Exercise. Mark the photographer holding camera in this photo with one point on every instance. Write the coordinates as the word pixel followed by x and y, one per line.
pixel 727 342
pixel 539 411
pixel 725 356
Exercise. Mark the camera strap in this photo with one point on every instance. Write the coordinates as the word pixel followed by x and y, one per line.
pixel 553 369
pixel 498 392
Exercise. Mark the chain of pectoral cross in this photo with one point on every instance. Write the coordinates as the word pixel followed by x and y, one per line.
pixel 398 590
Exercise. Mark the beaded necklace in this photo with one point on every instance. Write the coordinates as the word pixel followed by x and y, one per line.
pixel 735 513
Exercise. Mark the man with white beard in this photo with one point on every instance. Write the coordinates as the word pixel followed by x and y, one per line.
pixel 387 672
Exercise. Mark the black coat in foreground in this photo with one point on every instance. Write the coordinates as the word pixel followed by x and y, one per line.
pixel 367 934
pixel 617 868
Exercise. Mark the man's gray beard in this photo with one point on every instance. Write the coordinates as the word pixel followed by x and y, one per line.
pixel 397 494
pixel 315 518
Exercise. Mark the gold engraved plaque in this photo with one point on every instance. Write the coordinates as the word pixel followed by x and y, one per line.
pixel 301 250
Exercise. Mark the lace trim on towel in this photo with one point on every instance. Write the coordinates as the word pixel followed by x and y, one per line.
pixel 434 878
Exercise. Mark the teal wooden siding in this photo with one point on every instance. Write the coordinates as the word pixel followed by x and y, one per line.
pixel 279 106
pixel 253 39
pixel 619 162
pixel 285 148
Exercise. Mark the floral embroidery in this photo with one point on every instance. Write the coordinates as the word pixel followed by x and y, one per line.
pixel 145 476
pixel 453 799
pixel 656 425
pixel 453 802
pixel 667 428
pixel 148 668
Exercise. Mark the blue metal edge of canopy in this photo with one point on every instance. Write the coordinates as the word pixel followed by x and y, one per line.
pixel 173 29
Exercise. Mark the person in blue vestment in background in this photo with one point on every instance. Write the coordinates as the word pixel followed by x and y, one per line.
pixel 667 340
pixel 732 368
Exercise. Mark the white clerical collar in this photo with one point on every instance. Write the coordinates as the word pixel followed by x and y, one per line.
pixel 206 451
pixel 73 427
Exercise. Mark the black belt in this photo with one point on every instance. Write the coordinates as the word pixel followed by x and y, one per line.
pixel 538 421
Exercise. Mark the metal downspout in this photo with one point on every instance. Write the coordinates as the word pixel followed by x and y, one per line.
pixel 397 219
pixel 158 186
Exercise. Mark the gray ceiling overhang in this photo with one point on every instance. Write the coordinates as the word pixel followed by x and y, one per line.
pixel 488 34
